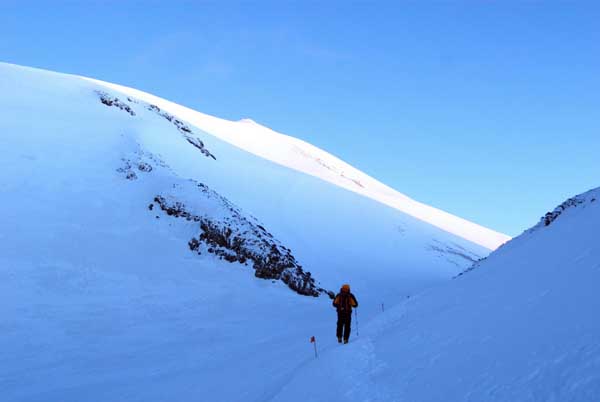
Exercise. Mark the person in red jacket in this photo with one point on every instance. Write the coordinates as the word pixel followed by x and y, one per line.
pixel 344 302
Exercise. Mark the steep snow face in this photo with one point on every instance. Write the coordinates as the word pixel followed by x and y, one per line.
pixel 521 326
pixel 301 156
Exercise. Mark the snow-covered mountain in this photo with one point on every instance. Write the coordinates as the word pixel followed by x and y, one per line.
pixel 304 157
pixel 134 230
pixel 520 326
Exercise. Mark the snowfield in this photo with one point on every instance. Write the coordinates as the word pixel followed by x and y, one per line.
pixel 301 156
pixel 149 252
pixel 145 259
pixel 520 326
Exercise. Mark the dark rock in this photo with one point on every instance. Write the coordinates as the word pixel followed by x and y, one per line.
pixel 144 167
pixel 108 100
pixel 183 128
pixel 229 241
pixel 552 216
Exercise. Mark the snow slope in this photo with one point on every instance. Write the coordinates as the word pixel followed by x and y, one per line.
pixel 130 236
pixel 304 157
pixel 521 326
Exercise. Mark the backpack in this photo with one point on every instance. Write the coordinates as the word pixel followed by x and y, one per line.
pixel 344 302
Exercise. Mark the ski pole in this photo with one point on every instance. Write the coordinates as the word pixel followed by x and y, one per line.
pixel 356 316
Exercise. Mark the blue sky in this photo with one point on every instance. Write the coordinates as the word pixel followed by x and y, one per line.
pixel 488 110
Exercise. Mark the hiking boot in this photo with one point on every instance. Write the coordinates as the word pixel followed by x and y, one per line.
pixel 339 340
pixel 345 341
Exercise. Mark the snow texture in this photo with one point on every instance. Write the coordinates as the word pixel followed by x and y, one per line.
pixel 521 326
pixel 106 296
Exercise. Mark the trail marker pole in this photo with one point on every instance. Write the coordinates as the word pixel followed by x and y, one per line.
pixel 314 342
pixel 382 308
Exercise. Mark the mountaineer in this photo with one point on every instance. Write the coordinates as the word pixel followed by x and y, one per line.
pixel 344 302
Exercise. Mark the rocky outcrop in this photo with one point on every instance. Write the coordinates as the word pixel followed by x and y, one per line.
pixel 183 128
pixel 553 215
pixel 108 100
pixel 579 201
pixel 227 232
pixel 575 202
pixel 236 238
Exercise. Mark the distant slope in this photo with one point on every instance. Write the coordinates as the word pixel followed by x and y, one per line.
pixel 521 326
pixel 304 157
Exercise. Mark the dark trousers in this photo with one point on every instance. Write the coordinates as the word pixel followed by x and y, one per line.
pixel 343 324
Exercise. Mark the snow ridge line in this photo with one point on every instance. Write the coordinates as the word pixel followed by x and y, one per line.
pixel 570 203
pixel 301 156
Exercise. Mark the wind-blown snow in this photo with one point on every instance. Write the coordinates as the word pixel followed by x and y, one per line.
pixel 304 157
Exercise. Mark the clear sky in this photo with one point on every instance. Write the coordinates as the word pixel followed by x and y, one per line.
pixel 487 109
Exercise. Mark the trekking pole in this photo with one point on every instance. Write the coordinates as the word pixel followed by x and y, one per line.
pixel 356 316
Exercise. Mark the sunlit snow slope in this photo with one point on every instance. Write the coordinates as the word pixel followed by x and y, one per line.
pixel 143 258
pixel 521 326
pixel 304 157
